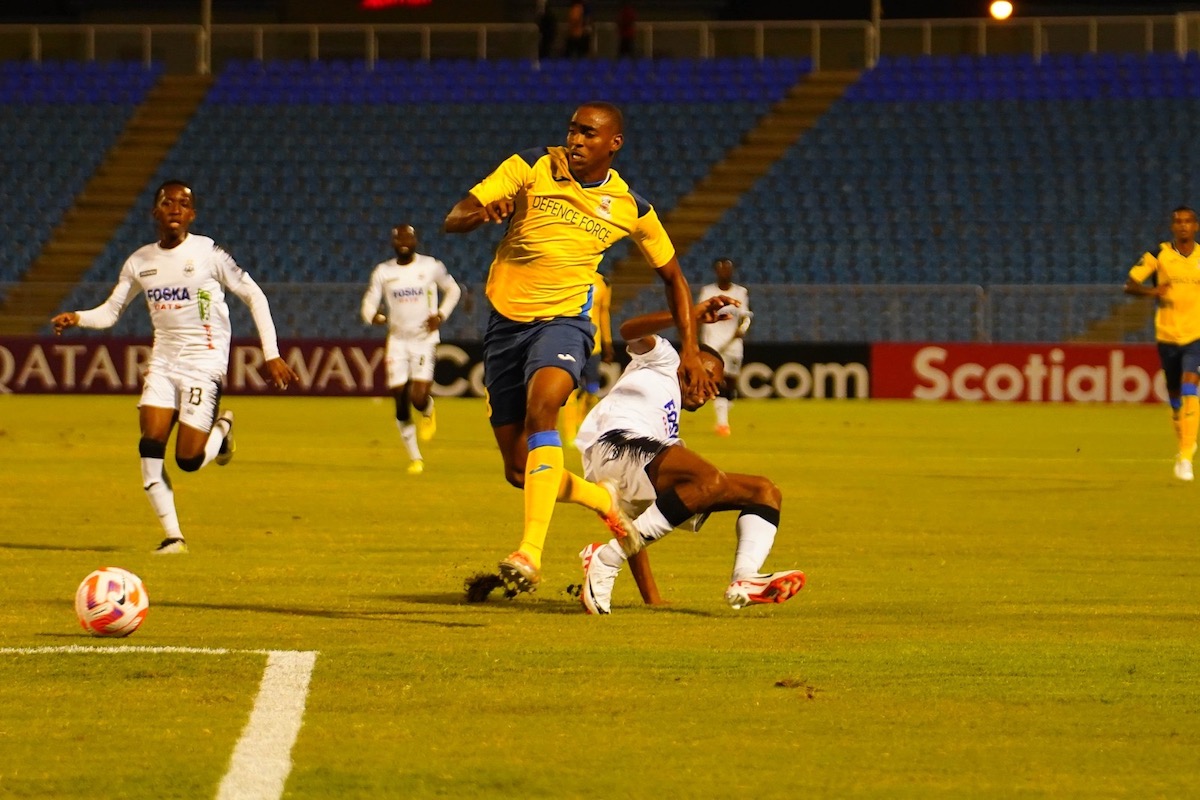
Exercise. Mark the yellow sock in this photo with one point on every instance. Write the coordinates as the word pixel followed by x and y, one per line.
pixel 1189 422
pixel 1175 425
pixel 543 474
pixel 575 489
pixel 570 418
pixel 587 402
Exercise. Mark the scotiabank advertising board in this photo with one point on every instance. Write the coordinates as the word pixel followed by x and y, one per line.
pixel 1053 373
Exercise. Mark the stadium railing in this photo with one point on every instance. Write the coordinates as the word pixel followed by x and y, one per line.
pixel 849 44
pixel 783 313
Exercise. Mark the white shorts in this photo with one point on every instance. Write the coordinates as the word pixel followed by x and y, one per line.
pixel 621 458
pixel 195 396
pixel 732 355
pixel 409 359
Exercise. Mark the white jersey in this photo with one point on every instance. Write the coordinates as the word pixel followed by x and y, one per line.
pixel 411 294
pixel 185 292
pixel 645 400
pixel 719 334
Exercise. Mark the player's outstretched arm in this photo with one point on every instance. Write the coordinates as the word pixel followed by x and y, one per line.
pixel 280 373
pixel 67 319
pixel 639 566
pixel 693 377
pixel 704 312
pixel 1142 290
pixel 468 214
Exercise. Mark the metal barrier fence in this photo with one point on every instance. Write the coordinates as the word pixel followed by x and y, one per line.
pixel 786 313
pixel 851 44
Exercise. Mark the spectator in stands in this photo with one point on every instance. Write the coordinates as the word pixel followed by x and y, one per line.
pixel 409 284
pixel 547 24
pixel 1176 325
pixel 584 398
pixel 184 277
pixel 563 207
pixel 631 439
pixel 626 29
pixel 579 30
pixel 727 336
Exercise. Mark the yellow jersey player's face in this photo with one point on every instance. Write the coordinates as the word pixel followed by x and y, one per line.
pixel 1184 226
pixel 592 140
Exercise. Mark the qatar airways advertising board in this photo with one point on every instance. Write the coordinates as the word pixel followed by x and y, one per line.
pixel 1053 373
pixel 1047 373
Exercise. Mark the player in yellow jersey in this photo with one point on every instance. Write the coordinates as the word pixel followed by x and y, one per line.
pixel 584 398
pixel 1176 289
pixel 563 207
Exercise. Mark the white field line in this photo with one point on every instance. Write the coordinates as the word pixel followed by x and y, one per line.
pixel 262 757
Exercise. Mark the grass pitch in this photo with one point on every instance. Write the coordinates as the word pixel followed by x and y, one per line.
pixel 1001 603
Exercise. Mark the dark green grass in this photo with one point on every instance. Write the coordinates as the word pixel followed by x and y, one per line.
pixel 1001 603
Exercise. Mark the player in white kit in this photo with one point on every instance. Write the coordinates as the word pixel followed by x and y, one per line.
pixel 184 277
pixel 409 284
pixel 631 439
pixel 727 336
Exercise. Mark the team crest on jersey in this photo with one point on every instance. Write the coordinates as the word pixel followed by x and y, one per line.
pixel 189 268
pixel 605 207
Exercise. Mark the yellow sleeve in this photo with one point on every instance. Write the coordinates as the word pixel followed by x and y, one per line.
pixel 505 182
pixel 1146 266
pixel 652 239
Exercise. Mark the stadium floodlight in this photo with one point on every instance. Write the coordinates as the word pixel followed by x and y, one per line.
pixel 1001 9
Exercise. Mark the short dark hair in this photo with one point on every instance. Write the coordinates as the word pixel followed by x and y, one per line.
pixel 162 187
pixel 1188 209
pixel 610 109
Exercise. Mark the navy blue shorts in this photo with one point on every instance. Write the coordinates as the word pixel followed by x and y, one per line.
pixel 591 373
pixel 1177 359
pixel 513 351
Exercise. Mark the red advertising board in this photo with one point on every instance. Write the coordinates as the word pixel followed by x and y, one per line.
pixel 1054 373
pixel 99 365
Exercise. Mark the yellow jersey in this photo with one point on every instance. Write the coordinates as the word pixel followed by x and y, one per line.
pixel 1177 319
pixel 601 305
pixel 545 266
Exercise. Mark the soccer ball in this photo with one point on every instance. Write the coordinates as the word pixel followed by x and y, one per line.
pixel 111 602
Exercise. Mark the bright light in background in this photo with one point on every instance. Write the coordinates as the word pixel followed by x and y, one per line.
pixel 374 5
pixel 1001 9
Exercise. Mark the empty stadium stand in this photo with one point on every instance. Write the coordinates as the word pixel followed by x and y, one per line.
pixel 405 141
pixel 57 122
pixel 941 197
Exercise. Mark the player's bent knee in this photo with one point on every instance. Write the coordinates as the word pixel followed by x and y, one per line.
pixel 190 464
pixel 712 484
pixel 515 477
pixel 151 448
pixel 760 491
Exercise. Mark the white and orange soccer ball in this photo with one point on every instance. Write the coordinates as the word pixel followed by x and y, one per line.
pixel 111 602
